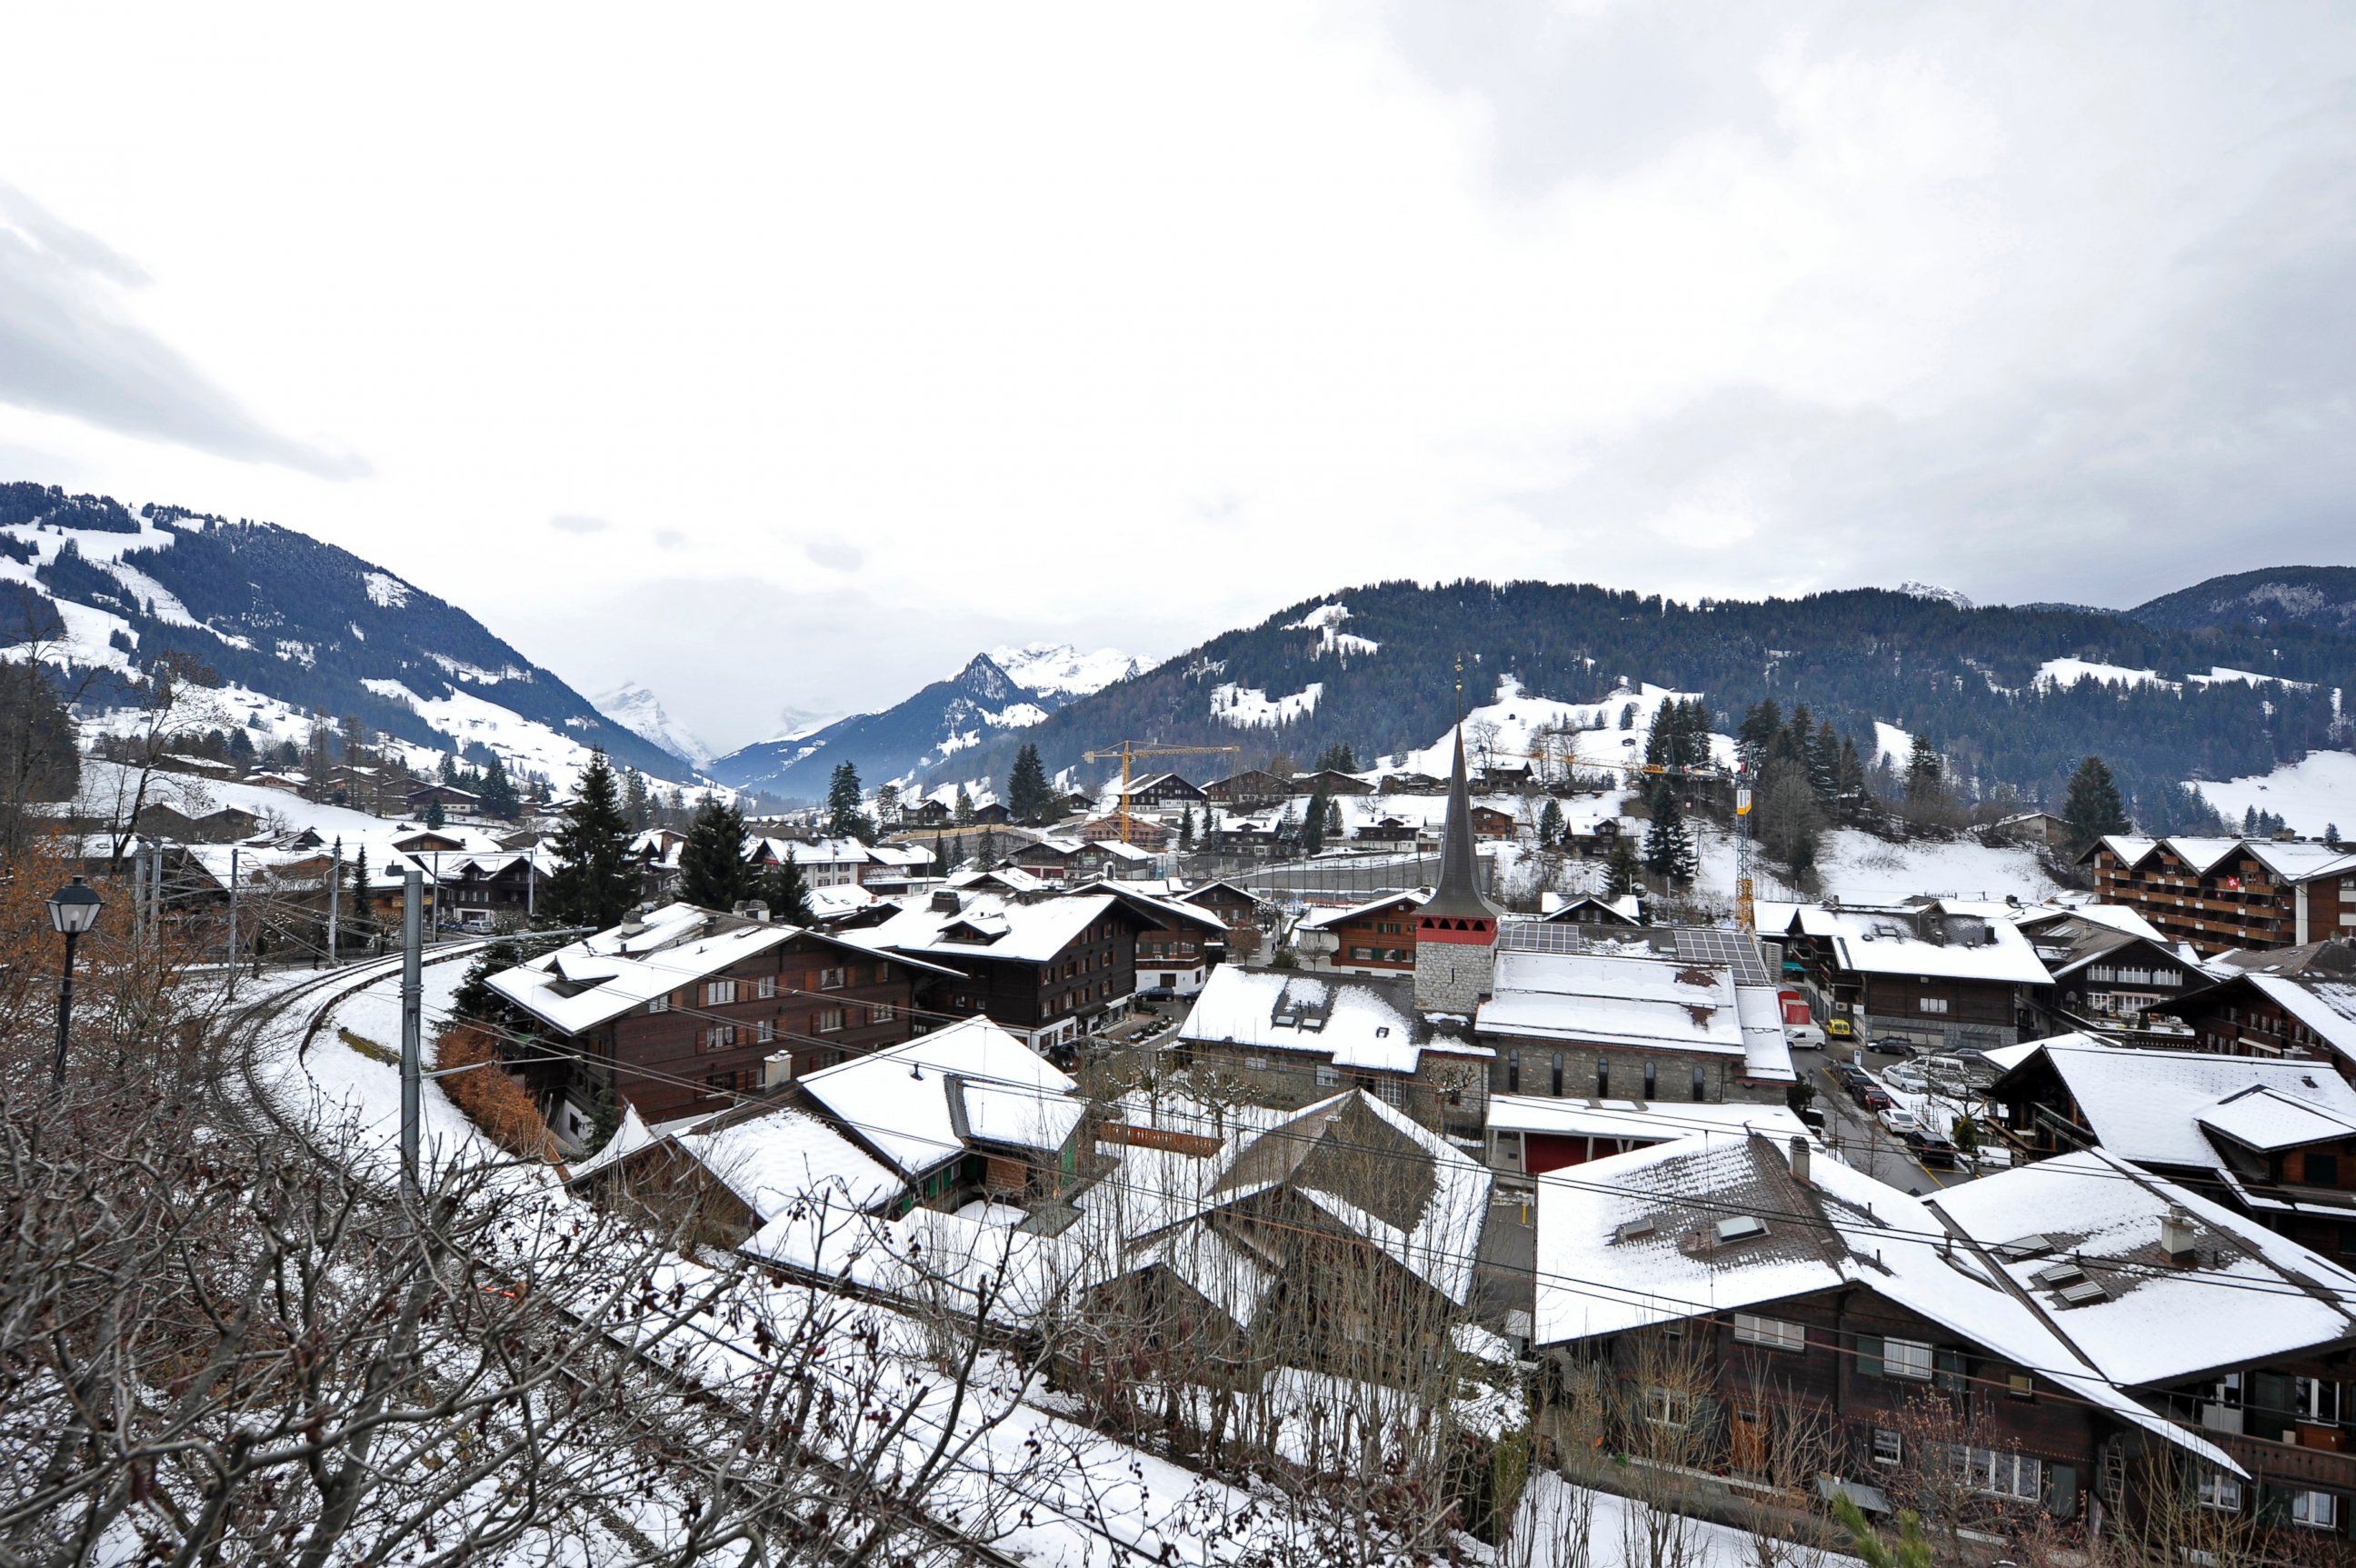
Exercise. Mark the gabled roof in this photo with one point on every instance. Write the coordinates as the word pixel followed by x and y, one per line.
pixel 1361 1023
pixel 1634 1240
pixel 1662 1003
pixel 2269 1120
pixel 989 926
pixel 2147 1106
pixel 2153 1322
pixel 929 1100
pixel 1325 918
pixel 2326 1007
pixel 1894 941
pixel 601 977
pixel 782 1158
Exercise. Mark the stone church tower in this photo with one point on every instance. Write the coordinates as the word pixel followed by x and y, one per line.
pixel 1456 930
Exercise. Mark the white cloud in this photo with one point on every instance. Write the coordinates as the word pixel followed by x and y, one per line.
pixel 1252 302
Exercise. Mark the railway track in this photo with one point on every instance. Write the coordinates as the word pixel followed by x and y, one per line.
pixel 251 1106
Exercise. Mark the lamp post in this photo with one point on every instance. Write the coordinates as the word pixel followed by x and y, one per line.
pixel 73 909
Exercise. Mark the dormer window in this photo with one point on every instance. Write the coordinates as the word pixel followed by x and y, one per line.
pixel 1739 1228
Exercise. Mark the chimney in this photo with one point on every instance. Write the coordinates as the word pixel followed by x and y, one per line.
pixel 777 1069
pixel 1800 1159
pixel 752 909
pixel 946 902
pixel 2176 1239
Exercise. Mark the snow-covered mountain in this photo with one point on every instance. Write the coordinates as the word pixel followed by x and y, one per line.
pixel 984 700
pixel 640 711
pixel 1058 668
pixel 1932 591
pixel 292 627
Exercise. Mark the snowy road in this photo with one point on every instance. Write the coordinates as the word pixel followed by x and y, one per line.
pixel 1853 1134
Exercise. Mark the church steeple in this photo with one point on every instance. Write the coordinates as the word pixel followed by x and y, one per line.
pixel 1456 929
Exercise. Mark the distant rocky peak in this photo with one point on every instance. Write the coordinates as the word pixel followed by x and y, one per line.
pixel 1932 591
pixel 982 680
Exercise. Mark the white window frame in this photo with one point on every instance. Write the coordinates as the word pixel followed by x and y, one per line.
pixel 765 1033
pixel 2002 1473
pixel 1667 1407
pixel 764 988
pixel 2315 1510
pixel 719 993
pixel 1908 1359
pixel 1888 1447
pixel 829 1021
pixel 2221 1491
pixel 1329 1077
pixel 658 1004
pixel 829 980
pixel 1773 1332
pixel 719 1036
pixel 1932 1003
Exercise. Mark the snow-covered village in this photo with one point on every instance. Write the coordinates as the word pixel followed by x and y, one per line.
pixel 1681 903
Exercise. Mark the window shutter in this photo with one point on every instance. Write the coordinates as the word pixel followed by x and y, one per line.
pixel 1947 1370
pixel 1868 1356
pixel 2062 1490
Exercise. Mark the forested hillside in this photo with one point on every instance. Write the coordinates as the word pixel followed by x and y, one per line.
pixel 1968 679
pixel 279 613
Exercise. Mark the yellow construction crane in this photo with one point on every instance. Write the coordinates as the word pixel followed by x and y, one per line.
pixel 1130 750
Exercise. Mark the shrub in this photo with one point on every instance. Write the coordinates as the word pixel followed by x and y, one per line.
pixel 489 1097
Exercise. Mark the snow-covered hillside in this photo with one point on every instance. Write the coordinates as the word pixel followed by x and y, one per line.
pixel 2312 795
pixel 1608 734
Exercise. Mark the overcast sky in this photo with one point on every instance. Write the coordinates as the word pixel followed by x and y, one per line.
pixel 780 359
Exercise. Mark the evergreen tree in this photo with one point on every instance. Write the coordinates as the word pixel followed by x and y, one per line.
pixel 638 806
pixel 843 799
pixel 784 889
pixel 1759 729
pixel 499 797
pixel 1628 716
pixel 1312 825
pixel 1186 829
pixel 1619 867
pixel 1849 779
pixel 1028 795
pixel 1333 821
pixel 475 998
pixel 986 851
pixel 2331 835
pixel 1338 757
pixel 2249 822
pixel 941 854
pixel 963 811
pixel 241 750
pixel 1550 824
pixel 594 882
pixel 363 916
pixel 1669 843
pixel 1660 740
pixel 1927 776
pixel 433 815
pixel 887 805
pixel 711 870
pixel 2092 807
pixel 1824 761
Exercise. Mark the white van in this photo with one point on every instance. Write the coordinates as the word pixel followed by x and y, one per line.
pixel 1808 1036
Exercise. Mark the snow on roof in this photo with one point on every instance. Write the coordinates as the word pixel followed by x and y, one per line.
pixel 1766 1049
pixel 1632 1240
pixel 2154 1322
pixel 783 1157
pixel 601 977
pixel 1610 999
pixel 2127 847
pixel 1010 878
pixel 2326 1007
pixel 2301 862
pixel 1361 1023
pixel 632 1135
pixel 2265 1120
pixel 897 1099
pixel 1029 932
pixel 1648 1121
pixel 1887 942
pixel 2146 1106
pixel 1321 919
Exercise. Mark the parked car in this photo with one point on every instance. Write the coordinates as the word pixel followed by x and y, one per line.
pixel 1840 1029
pixel 1803 1036
pixel 1931 1149
pixel 1896 1123
pixel 1868 1094
pixel 1890 1046
pixel 1906 1079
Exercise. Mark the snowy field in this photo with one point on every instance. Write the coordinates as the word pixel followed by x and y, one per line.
pixel 1862 869
pixel 2312 795
pixel 1545 1536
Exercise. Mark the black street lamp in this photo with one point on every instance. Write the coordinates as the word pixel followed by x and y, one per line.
pixel 73 909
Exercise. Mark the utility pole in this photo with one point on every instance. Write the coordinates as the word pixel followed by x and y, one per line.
pixel 138 893
pixel 334 895
pixel 232 919
pixel 412 989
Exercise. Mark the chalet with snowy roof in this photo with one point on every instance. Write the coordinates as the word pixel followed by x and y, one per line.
pixel 837 861
pixel 449 797
pixel 2302 1005
pixel 2270 1136
pixel 2040 828
pixel 1622 913
pixel 1050 970
pixel 1291 1038
pixel 2223 893
pixel 482 891
pixel 1921 973
pixel 2104 977
pixel 1248 789
pixel 679 1012
pixel 1328 782
pixel 1162 791
pixel 2208 1317
pixel 1177 942
pixel 1238 909
pixel 1376 937
pixel 963 1113
pixel 1341 1237
pixel 724 1179
pixel 1765 1278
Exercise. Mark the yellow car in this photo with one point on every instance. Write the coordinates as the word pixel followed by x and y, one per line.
pixel 1840 1029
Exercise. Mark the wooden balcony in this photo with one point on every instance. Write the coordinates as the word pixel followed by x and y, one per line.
pixel 2326 1469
